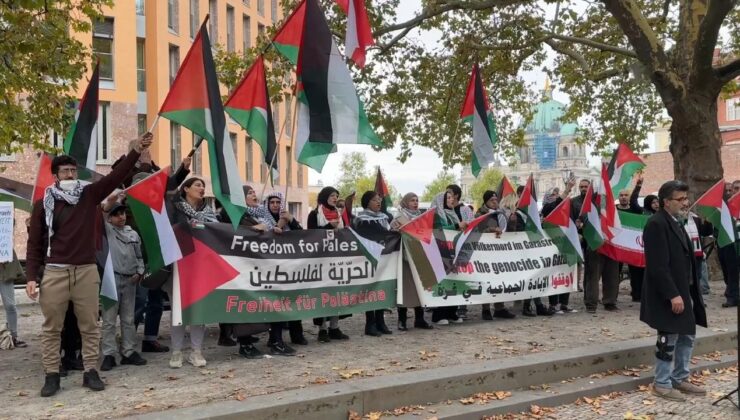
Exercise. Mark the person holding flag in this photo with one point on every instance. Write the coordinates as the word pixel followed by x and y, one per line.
pixel 62 239
pixel 551 202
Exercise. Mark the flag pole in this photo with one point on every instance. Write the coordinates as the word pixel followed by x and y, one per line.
pixel 277 148
pixel 292 142
pixel 454 141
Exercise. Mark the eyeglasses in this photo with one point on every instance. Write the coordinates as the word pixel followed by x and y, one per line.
pixel 681 199
pixel 67 170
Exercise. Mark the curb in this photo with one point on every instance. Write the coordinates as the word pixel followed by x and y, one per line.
pixel 441 384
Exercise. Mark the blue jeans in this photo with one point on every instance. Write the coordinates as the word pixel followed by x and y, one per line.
pixel 672 357
pixel 7 292
pixel 703 275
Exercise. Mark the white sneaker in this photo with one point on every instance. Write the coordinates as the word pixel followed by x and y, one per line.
pixel 176 360
pixel 457 321
pixel 196 359
pixel 443 322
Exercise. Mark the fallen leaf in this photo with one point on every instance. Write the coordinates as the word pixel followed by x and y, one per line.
pixel 172 378
pixel 648 402
pixel 467 401
pixel 22 393
pixel 227 376
pixel 58 404
pixel 374 415
pixel 352 415
pixel 535 409
pixel 346 374
pixel 320 381
pixel 240 397
pixel 142 406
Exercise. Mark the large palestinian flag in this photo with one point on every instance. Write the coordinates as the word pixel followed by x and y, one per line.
pixel 421 245
pixel 476 111
pixel 593 228
pixel 622 167
pixel 81 141
pixel 249 105
pixel 712 207
pixel 527 209
pixel 505 189
pixel 194 101
pixel 471 233
pixel 382 189
pixel 627 245
pixel 288 39
pixel 358 36
pixel 329 110
pixel 562 230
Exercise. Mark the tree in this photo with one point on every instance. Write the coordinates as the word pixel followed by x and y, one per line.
pixel 487 180
pixel 41 62
pixel 353 169
pixel 438 185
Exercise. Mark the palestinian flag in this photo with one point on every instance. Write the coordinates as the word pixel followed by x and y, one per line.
pixel 421 246
pixel 329 110
pixel 194 101
pixel 18 193
pixel 382 189
pixel 712 207
pixel 527 208
pixel 505 189
pixel 288 39
pixel 607 208
pixel 108 295
pixel 370 248
pixel 593 230
pixel 44 178
pixel 81 141
pixel 733 203
pixel 476 111
pixel 347 212
pixel 627 246
pixel 249 105
pixel 359 36
pixel 622 167
pixel 562 230
pixel 471 233
pixel 146 201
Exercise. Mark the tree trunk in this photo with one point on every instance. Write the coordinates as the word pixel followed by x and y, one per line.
pixel 695 142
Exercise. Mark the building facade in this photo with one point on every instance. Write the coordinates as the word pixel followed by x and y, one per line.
pixel 141 45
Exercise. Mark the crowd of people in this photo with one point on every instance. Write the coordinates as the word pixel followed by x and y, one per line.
pixel 63 270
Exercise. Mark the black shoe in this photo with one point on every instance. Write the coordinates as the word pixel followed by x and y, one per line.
pixel 421 324
pixel 486 315
pixel 19 344
pixel 591 309
pixel 62 370
pixel 133 359
pixel 611 308
pixel 91 379
pixel 383 328
pixel 543 311
pixel 281 349
pixel 226 341
pixel 372 330
pixel 729 304
pixel 528 312
pixel 250 351
pixel 51 385
pixel 109 362
pixel 402 326
pixel 153 346
pixel 324 336
pixel 503 313
pixel 337 334
pixel 73 364
pixel 301 341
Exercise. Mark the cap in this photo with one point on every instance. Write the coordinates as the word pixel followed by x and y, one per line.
pixel 116 207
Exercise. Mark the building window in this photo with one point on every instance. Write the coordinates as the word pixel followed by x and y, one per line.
pixel 260 29
pixel 175 146
pixel 246 2
pixel 565 152
pixel 274 10
pixel 104 132
pixel 288 119
pixel 197 165
pixel 733 109
pixel 56 140
pixel 174 62
pixel 103 46
pixel 249 160
pixel 141 124
pixel 232 137
pixel 140 7
pixel 194 18
pixel 173 15
pixel 246 34
pixel 140 65
pixel 261 7
pixel 294 207
pixel 288 166
pixel 213 20
pixel 230 24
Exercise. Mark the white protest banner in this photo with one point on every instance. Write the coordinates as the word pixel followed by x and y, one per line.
pixel 6 231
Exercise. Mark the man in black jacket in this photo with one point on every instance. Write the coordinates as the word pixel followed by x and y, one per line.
pixel 672 302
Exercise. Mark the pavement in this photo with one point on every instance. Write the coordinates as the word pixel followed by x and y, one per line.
pixel 137 390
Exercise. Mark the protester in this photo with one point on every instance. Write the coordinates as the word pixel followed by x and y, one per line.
pixel 672 303
pixel 650 205
pixel 551 202
pixel 697 229
pixel 408 211
pixel 516 224
pixel 373 224
pixel 9 273
pixel 276 206
pixel 62 238
pixel 628 203
pixel 124 246
pixel 728 260
pixel 327 216
pixel 189 207
pixel 494 224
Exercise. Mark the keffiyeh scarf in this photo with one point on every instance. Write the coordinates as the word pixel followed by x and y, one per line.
pixel 205 214
pixel 54 193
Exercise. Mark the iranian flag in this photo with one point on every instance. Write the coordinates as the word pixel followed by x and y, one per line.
pixel 420 244
pixel 382 189
pixel 329 110
pixel 249 105
pixel 733 203
pixel 505 189
pixel 359 35
pixel 146 201
pixel 622 167
pixel 476 111
pixel 712 207
pixel 527 208
pixel 593 230
pixel 288 39
pixel 370 248
pixel 562 230
pixel 194 101
pixel 627 246
pixel 81 141
pixel 605 200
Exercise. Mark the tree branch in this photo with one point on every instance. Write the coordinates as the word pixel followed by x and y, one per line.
pixel 583 64
pixel 728 72
pixel 596 44
pixel 706 40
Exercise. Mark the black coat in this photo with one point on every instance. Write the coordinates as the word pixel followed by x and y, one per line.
pixel 670 270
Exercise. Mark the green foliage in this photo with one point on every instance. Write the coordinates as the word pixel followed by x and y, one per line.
pixel 488 179
pixel 354 176
pixel 41 65
pixel 438 185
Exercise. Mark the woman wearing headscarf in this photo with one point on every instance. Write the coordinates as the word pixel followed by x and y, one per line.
pixel 190 207
pixel 408 211
pixel 494 224
pixel 373 224
pixel 650 205
pixel 275 205
pixel 327 216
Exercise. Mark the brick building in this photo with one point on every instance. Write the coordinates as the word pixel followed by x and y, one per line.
pixel 141 45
